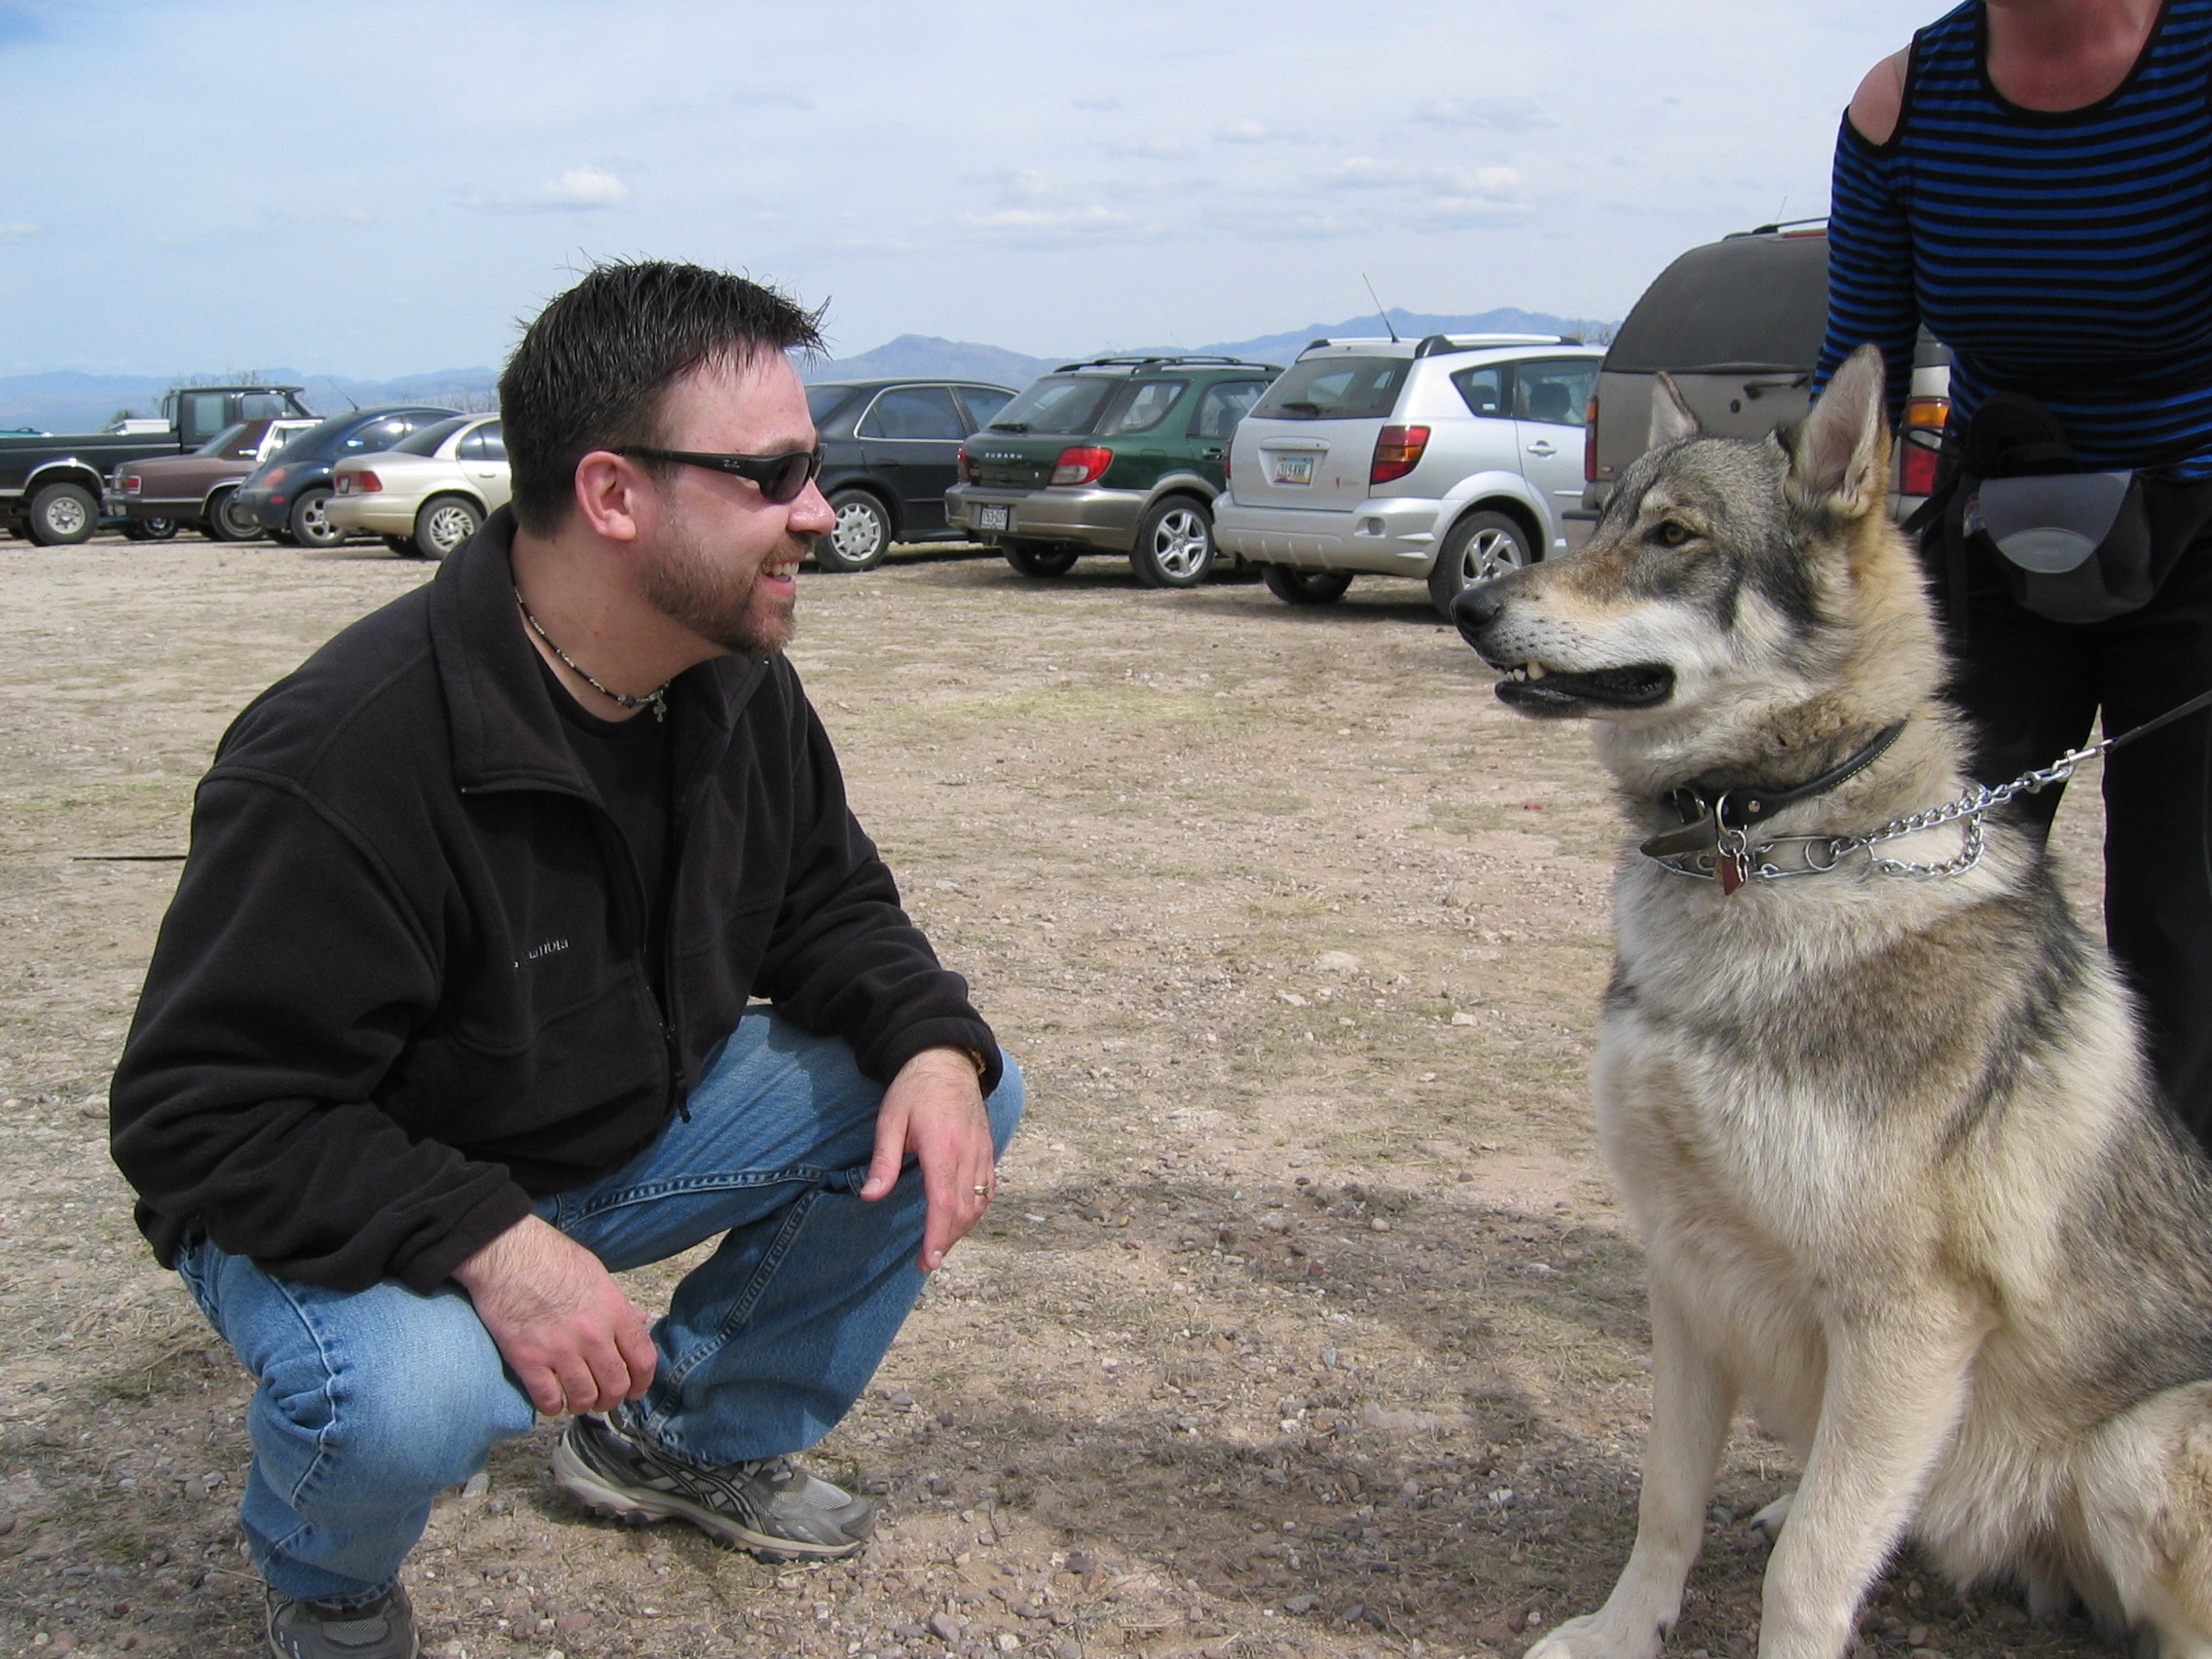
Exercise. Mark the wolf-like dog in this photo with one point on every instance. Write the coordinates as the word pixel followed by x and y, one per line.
pixel 1877 1101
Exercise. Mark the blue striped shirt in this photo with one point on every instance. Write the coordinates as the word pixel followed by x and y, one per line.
pixel 2065 255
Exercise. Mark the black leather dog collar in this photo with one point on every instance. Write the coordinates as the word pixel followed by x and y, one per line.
pixel 1744 805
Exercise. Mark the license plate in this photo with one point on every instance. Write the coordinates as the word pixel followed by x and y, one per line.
pixel 993 518
pixel 1294 469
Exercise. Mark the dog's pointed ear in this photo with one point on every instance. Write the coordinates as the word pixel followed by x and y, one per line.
pixel 1671 417
pixel 1839 454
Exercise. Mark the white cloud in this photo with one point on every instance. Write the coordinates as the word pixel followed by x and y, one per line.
pixel 1247 132
pixel 579 190
pixel 1149 149
pixel 15 230
pixel 1483 114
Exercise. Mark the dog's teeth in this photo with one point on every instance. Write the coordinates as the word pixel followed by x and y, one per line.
pixel 1535 671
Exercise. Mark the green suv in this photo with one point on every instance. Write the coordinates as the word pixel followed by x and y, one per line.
pixel 1117 455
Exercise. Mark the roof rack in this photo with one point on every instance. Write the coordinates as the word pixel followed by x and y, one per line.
pixel 1142 360
pixel 1818 227
pixel 1431 345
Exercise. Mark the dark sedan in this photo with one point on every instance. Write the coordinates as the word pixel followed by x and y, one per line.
pixel 890 450
pixel 286 495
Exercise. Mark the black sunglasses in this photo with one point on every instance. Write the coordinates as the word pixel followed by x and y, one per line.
pixel 779 477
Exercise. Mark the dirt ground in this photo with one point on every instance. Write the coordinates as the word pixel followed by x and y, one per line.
pixel 1304 1323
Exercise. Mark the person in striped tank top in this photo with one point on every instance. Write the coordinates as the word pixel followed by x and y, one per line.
pixel 2033 180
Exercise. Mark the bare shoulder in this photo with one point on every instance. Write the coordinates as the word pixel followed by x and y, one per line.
pixel 1880 99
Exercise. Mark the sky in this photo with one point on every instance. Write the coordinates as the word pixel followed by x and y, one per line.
pixel 378 190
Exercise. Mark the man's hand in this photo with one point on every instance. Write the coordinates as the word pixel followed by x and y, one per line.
pixel 561 1321
pixel 934 1109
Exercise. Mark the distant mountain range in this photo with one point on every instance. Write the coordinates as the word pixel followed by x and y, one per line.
pixel 66 401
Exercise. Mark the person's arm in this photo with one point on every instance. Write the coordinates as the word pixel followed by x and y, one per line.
pixel 1870 275
pixel 287 978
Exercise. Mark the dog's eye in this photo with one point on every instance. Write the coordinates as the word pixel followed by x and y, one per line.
pixel 1672 533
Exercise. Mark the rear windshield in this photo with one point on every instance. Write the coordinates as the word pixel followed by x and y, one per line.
pixel 1746 303
pixel 317 437
pixel 824 401
pixel 222 441
pixel 1057 403
pixel 1335 389
pixel 427 440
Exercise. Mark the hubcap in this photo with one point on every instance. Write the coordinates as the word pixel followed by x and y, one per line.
pixel 67 516
pixel 1179 546
pixel 449 526
pixel 1492 553
pixel 860 530
pixel 315 522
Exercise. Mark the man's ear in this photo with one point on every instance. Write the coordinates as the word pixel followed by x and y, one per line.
pixel 1839 454
pixel 1671 417
pixel 609 491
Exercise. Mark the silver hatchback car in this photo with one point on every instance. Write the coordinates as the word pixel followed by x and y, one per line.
pixel 1450 459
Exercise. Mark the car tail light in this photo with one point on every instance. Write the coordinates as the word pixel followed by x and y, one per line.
pixel 1225 466
pixel 131 484
pixel 1082 465
pixel 365 482
pixel 1590 443
pixel 963 467
pixel 1925 419
pixel 1397 451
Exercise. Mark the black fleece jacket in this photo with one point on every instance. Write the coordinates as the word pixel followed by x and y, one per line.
pixel 401 991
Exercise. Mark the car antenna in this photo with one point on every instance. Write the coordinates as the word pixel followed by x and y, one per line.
pixel 1386 316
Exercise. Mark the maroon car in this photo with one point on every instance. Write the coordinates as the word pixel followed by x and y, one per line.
pixel 196 489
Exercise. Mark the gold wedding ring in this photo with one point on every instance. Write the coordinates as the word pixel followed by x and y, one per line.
pixel 980 1191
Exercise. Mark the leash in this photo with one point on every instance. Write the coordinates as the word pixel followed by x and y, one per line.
pixel 1717 846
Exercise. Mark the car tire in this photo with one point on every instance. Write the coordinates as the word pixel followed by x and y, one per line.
pixel 62 515
pixel 442 525
pixel 1038 558
pixel 1294 586
pixel 230 519
pixel 1174 547
pixel 1479 548
pixel 150 529
pixel 861 536
pixel 308 521
pixel 282 538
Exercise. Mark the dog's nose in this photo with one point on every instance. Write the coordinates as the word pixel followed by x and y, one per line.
pixel 1476 608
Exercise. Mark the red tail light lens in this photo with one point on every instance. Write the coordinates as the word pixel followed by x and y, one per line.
pixel 131 484
pixel 1082 465
pixel 365 482
pixel 1925 419
pixel 1397 451
pixel 1590 443
pixel 962 467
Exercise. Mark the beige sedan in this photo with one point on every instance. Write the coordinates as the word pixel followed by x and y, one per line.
pixel 427 495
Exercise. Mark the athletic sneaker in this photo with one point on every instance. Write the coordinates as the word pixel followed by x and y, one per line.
pixel 770 1506
pixel 384 1629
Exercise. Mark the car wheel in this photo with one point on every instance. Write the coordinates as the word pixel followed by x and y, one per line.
pixel 861 536
pixel 230 519
pixel 61 515
pixel 1036 559
pixel 1174 545
pixel 443 524
pixel 150 529
pixel 282 538
pixel 310 520
pixel 1294 586
pixel 1478 548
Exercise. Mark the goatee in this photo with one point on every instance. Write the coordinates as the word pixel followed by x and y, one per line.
pixel 691 586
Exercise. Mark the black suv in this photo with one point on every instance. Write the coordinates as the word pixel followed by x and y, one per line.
pixel 288 493
pixel 890 449
pixel 1116 455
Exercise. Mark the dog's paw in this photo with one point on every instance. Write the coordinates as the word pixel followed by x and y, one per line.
pixel 1592 1637
pixel 1768 1523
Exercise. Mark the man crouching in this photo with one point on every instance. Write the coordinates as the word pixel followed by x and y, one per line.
pixel 448 1021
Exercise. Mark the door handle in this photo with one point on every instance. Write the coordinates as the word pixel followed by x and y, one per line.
pixel 1213 454
pixel 1543 446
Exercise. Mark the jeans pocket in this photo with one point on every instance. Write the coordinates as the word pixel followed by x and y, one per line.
pixel 192 1267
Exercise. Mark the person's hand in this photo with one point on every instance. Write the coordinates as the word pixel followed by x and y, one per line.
pixel 562 1322
pixel 934 1109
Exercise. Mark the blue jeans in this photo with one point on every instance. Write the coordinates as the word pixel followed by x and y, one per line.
pixel 373 1402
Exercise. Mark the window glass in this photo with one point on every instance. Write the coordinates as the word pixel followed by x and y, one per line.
pixel 425 440
pixel 262 406
pixel 824 401
pixel 207 411
pixel 379 436
pixel 1484 388
pixel 1335 389
pixel 1057 403
pixel 1222 406
pixel 486 443
pixel 915 411
pixel 225 443
pixel 1144 407
pixel 984 405
pixel 1556 392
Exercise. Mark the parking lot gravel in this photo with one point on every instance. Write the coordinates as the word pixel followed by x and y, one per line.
pixel 1304 1323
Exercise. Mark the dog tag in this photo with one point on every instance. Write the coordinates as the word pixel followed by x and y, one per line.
pixel 1734 871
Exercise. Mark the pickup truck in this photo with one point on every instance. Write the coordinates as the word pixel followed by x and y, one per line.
pixel 50 488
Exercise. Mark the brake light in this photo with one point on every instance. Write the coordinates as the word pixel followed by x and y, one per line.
pixel 962 465
pixel 1590 443
pixel 1082 465
pixel 1397 451
pixel 131 484
pixel 364 483
pixel 1925 419
pixel 1225 466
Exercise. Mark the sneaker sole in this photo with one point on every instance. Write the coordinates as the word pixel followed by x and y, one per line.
pixel 633 1508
